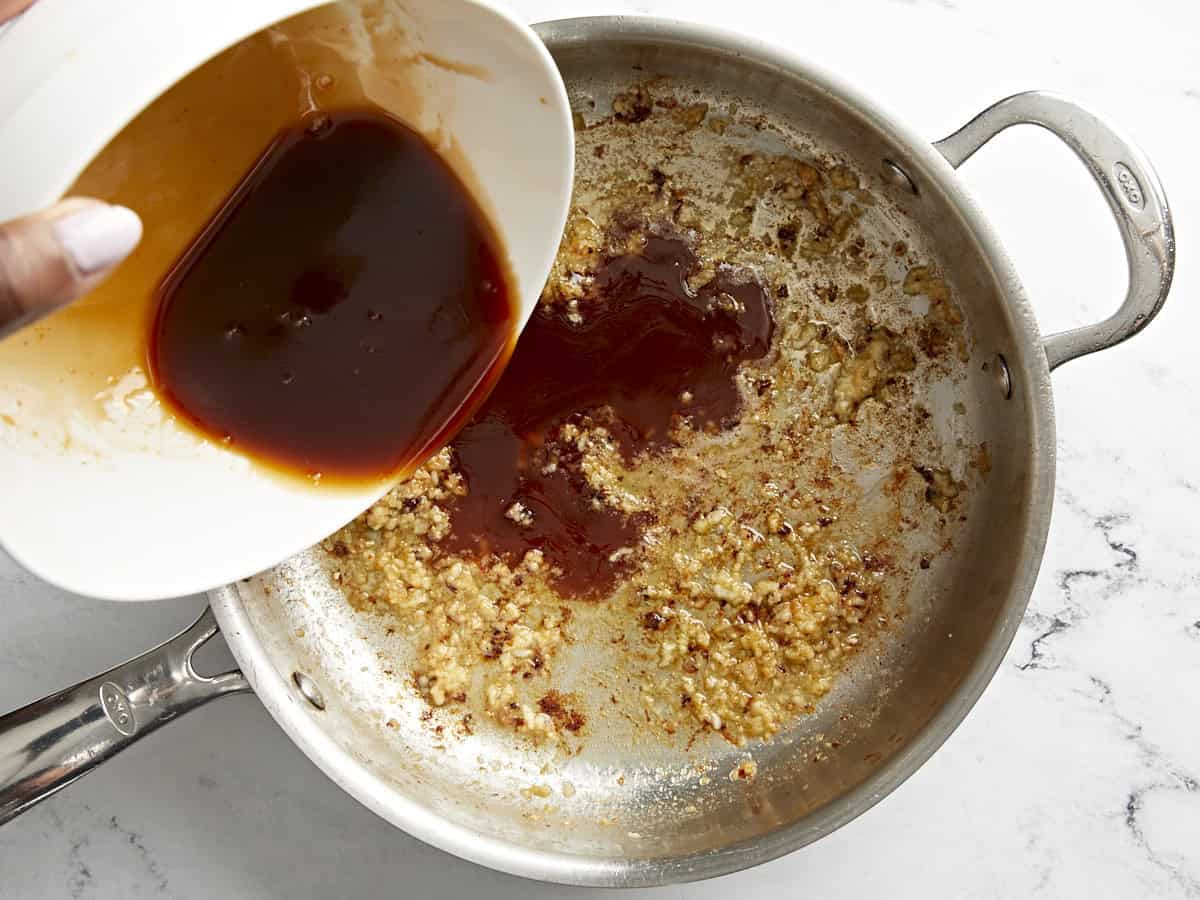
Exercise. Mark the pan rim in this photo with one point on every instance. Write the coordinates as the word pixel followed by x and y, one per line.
pixel 1033 380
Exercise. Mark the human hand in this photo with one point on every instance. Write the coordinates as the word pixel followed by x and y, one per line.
pixel 9 8
pixel 55 256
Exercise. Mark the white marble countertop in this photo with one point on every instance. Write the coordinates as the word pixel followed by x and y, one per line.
pixel 1078 773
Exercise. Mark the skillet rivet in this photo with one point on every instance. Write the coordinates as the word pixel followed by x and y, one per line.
pixel 897 176
pixel 308 689
pixel 1003 376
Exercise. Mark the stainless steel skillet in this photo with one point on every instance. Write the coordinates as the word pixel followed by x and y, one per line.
pixel 621 815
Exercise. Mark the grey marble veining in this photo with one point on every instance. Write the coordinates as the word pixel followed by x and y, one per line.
pixel 1076 775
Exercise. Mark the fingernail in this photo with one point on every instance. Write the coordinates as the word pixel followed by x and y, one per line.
pixel 98 237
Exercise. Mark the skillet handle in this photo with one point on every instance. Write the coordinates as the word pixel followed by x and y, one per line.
pixel 55 740
pixel 1131 188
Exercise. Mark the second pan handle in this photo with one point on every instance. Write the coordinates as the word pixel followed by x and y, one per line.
pixel 50 743
pixel 1128 183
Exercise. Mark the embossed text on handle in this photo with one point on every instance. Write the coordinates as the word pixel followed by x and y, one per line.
pixel 118 708
pixel 1129 186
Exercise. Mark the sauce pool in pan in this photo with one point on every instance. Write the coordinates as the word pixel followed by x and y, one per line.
pixel 640 351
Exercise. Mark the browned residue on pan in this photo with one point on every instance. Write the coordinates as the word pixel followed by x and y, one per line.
pixel 779 547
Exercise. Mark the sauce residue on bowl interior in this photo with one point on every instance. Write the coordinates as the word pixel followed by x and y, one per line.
pixel 344 310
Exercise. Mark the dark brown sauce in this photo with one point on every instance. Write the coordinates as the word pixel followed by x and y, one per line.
pixel 343 310
pixel 646 342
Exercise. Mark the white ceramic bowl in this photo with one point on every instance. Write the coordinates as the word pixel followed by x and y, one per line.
pixel 103 492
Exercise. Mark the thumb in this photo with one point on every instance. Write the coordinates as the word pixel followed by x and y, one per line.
pixel 53 257
pixel 9 8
